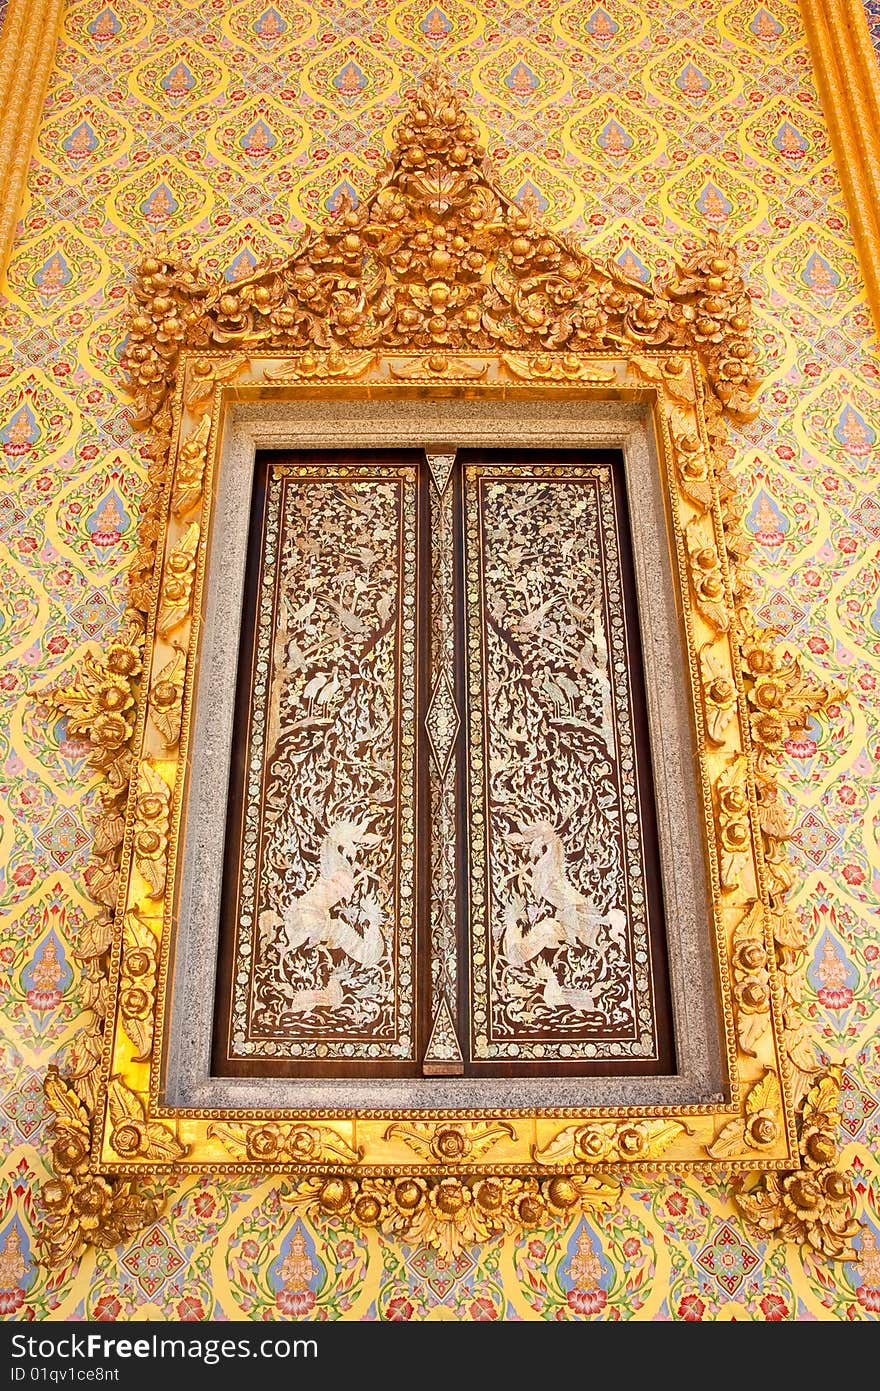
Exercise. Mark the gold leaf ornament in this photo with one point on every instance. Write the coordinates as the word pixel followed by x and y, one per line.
pixel 132 1135
pixel 177 582
pixel 166 699
pixel 759 1128
pixel 610 1141
pixel 150 844
pixel 275 1143
pixel 448 1143
pixel 137 986
pixel 190 471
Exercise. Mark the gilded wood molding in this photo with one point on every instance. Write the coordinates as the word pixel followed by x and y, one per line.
pixel 439 284
pixel 27 54
pixel 848 79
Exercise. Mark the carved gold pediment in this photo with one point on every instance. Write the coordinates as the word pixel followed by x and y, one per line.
pixel 439 259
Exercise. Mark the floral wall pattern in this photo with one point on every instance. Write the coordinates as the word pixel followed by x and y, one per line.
pixel 227 124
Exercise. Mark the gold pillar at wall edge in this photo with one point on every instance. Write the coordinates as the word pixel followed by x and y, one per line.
pixel 27 53
pixel 848 79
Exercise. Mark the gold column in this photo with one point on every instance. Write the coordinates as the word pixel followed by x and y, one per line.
pixel 27 53
pixel 848 80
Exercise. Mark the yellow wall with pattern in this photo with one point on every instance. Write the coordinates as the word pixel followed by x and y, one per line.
pixel 226 125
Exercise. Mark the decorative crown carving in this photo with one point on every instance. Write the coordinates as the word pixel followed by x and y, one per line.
pixel 439 258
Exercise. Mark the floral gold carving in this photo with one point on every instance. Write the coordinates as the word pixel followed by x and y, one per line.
pixel 751 980
pixel 137 986
pixel 175 598
pixel 447 1143
pixel 732 794
pixel 273 1143
pixel 166 699
pixel 151 828
pixel 84 1208
pixel 204 375
pixel 603 1142
pixel 548 367
pixel 813 1205
pixel 438 365
pixel 455 1212
pixel 133 1135
pixel 758 1128
pixel 190 469
pixel 329 364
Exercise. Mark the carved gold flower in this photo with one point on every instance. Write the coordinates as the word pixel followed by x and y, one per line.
pixel 123 660
pixel 129 1138
pixel 110 730
pixel 591 1143
pixel 336 1195
pixel 449 1199
pixel 263 1142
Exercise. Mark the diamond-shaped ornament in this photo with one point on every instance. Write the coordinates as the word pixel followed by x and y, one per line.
pixel 442 724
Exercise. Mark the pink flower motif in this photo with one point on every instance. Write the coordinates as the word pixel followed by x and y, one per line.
pixel 691 1308
pixel 295 1303
pixel 676 1204
pixel 631 1247
pixel 250 1249
pixel 537 1250
pixel 774 1308
pixel 107 1309
pixel 853 874
pixel 399 1309
pixel 869 1299
pixel 23 875
pixel 482 1310
pixel 345 1249
pixel 11 1301
pixel 204 1204
pixel 818 646
pixel 190 1309
pixel 586 1302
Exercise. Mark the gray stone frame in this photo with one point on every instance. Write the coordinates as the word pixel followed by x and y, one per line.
pixel 433 424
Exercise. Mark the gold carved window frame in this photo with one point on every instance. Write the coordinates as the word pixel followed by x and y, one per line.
pixel 379 304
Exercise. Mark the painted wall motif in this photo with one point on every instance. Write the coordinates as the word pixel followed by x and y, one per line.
pixel 226 124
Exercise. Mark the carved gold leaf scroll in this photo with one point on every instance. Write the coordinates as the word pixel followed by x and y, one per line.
pixel 603 1142
pixel 166 699
pixel 177 585
pixel 133 1134
pixel 454 1213
pixel 751 982
pixel 137 987
pixel 332 364
pixel 151 828
pixel 448 1143
pixel 190 469
pixel 205 373
pixel 548 367
pixel 758 1129
pixel 276 1143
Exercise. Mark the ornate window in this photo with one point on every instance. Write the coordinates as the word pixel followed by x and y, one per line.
pixel 442 856
pixel 429 836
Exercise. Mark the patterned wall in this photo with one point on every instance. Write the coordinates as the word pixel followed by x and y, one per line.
pixel 227 124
